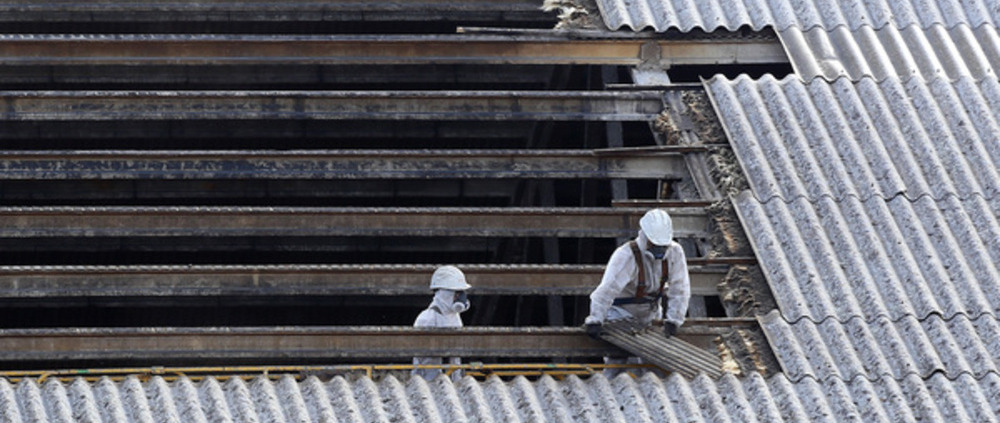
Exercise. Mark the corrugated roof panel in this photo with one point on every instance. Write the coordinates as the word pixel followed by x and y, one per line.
pixel 896 258
pixel 890 52
pixel 623 399
pixel 884 348
pixel 686 15
pixel 867 138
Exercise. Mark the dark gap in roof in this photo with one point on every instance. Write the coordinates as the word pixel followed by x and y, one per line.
pixel 310 134
pixel 258 250
pixel 297 77
pixel 713 306
pixel 695 73
pixel 272 310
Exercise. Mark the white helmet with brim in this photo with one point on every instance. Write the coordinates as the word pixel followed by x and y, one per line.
pixel 449 277
pixel 657 226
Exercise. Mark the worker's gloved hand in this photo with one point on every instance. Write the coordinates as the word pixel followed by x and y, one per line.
pixel 669 329
pixel 594 330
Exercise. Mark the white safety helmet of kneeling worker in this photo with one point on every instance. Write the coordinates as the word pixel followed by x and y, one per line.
pixel 657 226
pixel 449 277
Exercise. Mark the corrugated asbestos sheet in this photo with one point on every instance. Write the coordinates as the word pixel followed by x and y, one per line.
pixel 596 399
pixel 912 138
pixel 854 39
pixel 686 15
pixel 885 348
pixel 870 199
pixel 933 52
pixel 876 258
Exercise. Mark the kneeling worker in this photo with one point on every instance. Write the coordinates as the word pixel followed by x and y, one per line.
pixel 639 273
pixel 449 286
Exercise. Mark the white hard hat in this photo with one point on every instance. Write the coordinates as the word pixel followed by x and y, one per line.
pixel 449 277
pixel 657 226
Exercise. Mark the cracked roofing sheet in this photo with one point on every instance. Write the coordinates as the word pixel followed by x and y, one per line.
pixel 596 399
pixel 686 15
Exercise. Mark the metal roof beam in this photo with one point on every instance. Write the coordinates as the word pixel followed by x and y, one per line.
pixel 339 164
pixel 554 48
pixel 331 105
pixel 164 343
pixel 308 280
pixel 269 10
pixel 21 222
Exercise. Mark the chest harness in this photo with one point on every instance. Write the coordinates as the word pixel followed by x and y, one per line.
pixel 642 293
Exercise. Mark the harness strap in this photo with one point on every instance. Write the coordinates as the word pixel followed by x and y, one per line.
pixel 640 290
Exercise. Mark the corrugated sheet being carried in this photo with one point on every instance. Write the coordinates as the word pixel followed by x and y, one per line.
pixel 662 15
pixel 595 399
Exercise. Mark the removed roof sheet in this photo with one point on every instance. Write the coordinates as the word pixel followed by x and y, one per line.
pixel 649 343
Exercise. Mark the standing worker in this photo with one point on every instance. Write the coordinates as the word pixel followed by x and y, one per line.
pixel 639 273
pixel 450 300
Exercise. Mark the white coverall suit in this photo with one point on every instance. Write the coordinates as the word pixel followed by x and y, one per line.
pixel 621 279
pixel 440 314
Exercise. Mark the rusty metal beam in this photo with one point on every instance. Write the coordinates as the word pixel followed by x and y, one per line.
pixel 331 105
pixel 307 280
pixel 268 10
pixel 327 343
pixel 21 222
pixel 338 164
pixel 547 48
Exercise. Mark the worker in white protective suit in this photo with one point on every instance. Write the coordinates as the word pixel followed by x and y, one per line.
pixel 450 300
pixel 639 273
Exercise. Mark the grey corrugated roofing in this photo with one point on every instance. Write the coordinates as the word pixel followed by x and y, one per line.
pixel 932 52
pixel 870 198
pixel 595 399
pixel 885 348
pixel 662 15
pixel 851 258
pixel 814 139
